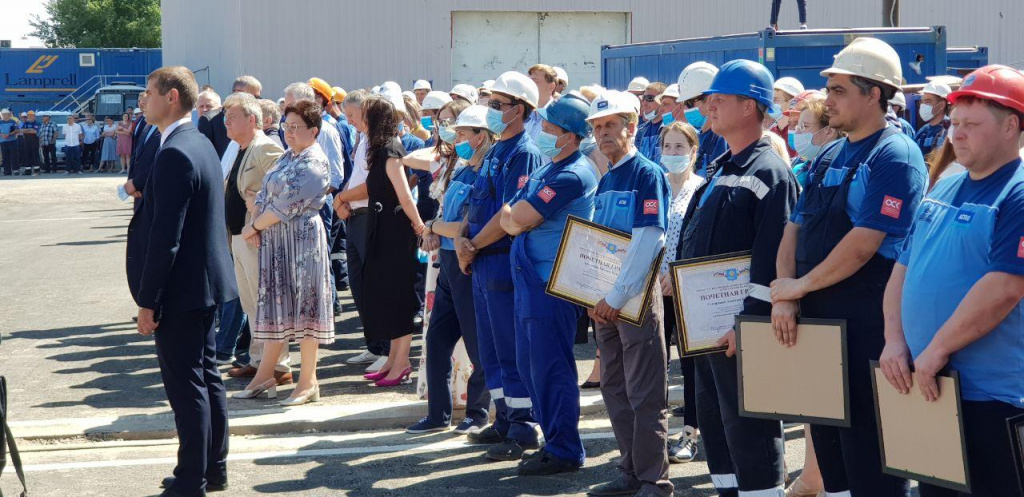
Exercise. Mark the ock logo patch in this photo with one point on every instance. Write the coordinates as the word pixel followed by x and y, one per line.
pixel 651 206
pixel 522 180
pixel 546 194
pixel 891 206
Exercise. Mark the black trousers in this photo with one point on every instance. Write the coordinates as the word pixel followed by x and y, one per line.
pixel 9 150
pixel 90 154
pixel 186 349
pixel 800 4
pixel 686 365
pixel 989 456
pixel 30 152
pixel 49 157
pixel 355 250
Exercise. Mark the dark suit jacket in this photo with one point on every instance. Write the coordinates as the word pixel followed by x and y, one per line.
pixel 177 255
pixel 215 131
pixel 143 157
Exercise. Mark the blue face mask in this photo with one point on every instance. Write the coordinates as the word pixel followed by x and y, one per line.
pixel 447 135
pixel 695 118
pixel 790 141
pixel 495 121
pixel 427 122
pixel 803 144
pixel 401 127
pixel 675 163
pixel 667 119
pixel 546 143
pixel 775 111
pixel 464 150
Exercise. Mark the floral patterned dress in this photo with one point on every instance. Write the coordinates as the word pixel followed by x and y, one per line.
pixel 295 299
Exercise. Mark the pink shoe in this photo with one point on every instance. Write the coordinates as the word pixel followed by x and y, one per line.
pixel 404 379
pixel 379 375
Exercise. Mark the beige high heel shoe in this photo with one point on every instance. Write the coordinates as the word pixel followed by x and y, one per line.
pixel 311 395
pixel 801 489
pixel 267 390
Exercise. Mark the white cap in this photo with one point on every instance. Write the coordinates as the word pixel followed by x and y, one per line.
pixel 671 91
pixel 614 102
pixel 5 111
pixel 475 116
pixel 487 85
pixel 695 80
pixel 517 85
pixel 639 83
pixel 421 84
pixel 137 111
pixel 561 74
pixel 791 86
pixel 899 99
pixel 465 91
pixel 937 88
pixel 435 100
pixel 409 94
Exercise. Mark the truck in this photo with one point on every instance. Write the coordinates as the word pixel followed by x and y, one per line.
pixel 75 80
pixel 799 54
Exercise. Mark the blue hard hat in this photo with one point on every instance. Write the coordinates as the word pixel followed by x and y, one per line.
pixel 569 112
pixel 745 78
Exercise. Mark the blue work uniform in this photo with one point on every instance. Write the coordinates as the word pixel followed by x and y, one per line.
pixel 506 169
pixel 545 325
pixel 875 183
pixel 454 317
pixel 9 145
pixel 965 229
pixel 931 136
pixel 710 146
pixel 648 141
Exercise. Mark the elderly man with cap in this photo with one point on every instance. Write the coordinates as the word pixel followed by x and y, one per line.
pixel 648 134
pixel 485 251
pixel 693 81
pixel 29 137
pixel 933 109
pixel 421 88
pixel 546 325
pixel 465 92
pixel 632 197
pixel 742 208
pixel 840 247
pixel 955 296
pixel 8 141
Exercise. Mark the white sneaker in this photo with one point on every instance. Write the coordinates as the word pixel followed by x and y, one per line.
pixel 375 367
pixel 366 357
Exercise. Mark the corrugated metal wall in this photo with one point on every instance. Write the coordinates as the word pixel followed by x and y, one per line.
pixel 360 43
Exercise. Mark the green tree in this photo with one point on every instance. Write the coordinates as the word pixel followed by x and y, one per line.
pixel 99 23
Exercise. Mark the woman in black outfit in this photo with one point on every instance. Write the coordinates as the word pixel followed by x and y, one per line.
pixel 389 300
pixel 801 6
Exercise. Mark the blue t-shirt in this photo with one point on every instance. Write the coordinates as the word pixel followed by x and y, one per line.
pixel 411 142
pixel 30 125
pixel 456 199
pixel 633 194
pixel 885 191
pixel 556 190
pixel 506 169
pixel 650 139
pixel 963 230
pixel 931 136
pixel 7 128
pixel 710 147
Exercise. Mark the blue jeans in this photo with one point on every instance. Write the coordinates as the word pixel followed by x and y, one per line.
pixel 73 159
pixel 232 320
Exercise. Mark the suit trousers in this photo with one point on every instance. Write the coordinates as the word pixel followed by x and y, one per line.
pixel 185 349
pixel 247 274
pixel 634 385
pixel 355 250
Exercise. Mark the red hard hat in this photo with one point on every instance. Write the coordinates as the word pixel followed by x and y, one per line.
pixel 998 83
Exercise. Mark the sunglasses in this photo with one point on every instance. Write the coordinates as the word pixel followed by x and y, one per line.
pixel 497 105
pixel 649 98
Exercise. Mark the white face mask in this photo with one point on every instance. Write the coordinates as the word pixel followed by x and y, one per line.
pixel 675 163
pixel 651 115
pixel 927 112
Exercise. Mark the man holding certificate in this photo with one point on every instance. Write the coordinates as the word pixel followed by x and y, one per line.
pixel 840 246
pixel 955 295
pixel 546 325
pixel 632 198
pixel 743 208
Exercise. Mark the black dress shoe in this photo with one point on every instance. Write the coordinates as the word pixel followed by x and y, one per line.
pixel 541 463
pixel 590 384
pixel 171 493
pixel 485 436
pixel 210 486
pixel 509 450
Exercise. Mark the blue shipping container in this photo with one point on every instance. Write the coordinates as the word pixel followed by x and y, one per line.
pixel 963 60
pixel 800 54
pixel 40 78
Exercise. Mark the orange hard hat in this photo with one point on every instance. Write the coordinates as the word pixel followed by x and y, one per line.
pixel 339 94
pixel 322 88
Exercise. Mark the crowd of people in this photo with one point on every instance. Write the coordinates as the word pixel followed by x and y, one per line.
pixel 913 238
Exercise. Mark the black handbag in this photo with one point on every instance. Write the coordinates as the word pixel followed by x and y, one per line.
pixel 7 440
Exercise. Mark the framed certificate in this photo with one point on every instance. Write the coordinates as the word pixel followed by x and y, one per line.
pixel 922 440
pixel 709 294
pixel 808 382
pixel 1016 427
pixel 588 262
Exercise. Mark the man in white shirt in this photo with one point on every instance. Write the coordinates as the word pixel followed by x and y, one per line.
pixel 73 136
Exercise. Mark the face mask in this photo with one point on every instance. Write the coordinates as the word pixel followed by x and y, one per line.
pixel 667 119
pixel 496 121
pixel 447 135
pixel 695 118
pixel 926 112
pixel 464 150
pixel 651 115
pixel 803 144
pixel 427 122
pixel 775 112
pixel 791 142
pixel 949 133
pixel 675 163
pixel 401 127
pixel 546 143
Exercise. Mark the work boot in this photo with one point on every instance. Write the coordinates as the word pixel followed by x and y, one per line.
pixel 487 435
pixel 623 485
pixel 542 463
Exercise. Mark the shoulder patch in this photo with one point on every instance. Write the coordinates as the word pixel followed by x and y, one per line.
pixel 891 206
pixel 546 194
pixel 651 206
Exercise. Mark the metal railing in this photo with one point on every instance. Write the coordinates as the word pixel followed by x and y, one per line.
pixel 77 100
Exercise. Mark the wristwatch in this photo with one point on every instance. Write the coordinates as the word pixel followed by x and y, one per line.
pixel 252 224
pixel 430 225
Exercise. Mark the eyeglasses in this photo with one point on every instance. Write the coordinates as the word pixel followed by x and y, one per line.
pixel 446 122
pixel 292 127
pixel 497 105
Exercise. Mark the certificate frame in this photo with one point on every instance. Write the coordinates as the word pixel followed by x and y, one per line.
pixel 571 225
pixel 954 376
pixel 1016 426
pixel 681 328
pixel 844 422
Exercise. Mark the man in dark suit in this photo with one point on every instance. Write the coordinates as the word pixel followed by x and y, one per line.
pixel 179 269
pixel 147 143
pixel 213 127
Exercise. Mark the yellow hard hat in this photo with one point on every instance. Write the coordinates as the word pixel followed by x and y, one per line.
pixel 339 93
pixel 321 87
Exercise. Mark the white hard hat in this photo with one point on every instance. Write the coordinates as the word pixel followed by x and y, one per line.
pixel 790 86
pixel 695 80
pixel 391 86
pixel 435 100
pixel 475 116
pixel 638 83
pixel 614 102
pixel 421 84
pixel 465 91
pixel 899 99
pixel 395 98
pixel 487 85
pixel 937 88
pixel 869 58
pixel 671 91
pixel 137 111
pixel 946 78
pixel 517 85
pixel 408 94
pixel 561 74
pixel 375 90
